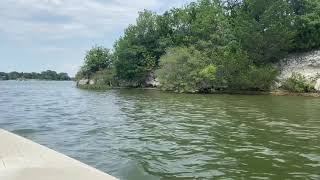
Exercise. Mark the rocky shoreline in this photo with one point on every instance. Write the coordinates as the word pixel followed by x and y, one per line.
pixel 306 64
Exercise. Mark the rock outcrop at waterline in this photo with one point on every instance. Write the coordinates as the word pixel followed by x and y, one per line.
pixel 306 64
pixel 151 81
pixel 82 82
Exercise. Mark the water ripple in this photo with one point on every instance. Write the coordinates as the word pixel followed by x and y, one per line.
pixel 145 134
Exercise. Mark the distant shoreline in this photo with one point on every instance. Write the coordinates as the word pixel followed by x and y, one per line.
pixel 44 75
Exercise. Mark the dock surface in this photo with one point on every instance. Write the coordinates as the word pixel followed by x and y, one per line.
pixel 22 159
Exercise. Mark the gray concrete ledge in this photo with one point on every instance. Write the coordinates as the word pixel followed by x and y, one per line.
pixel 22 159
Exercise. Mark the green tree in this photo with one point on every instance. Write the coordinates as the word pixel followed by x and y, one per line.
pixel 96 59
pixel 265 29
pixel 49 75
pixel 307 24
pixel 137 51
pixel 236 71
pixel 3 76
pixel 14 75
pixel 45 75
pixel 63 77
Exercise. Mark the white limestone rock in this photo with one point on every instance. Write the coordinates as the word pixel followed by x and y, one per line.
pixel 152 81
pixel 83 82
pixel 307 64
pixel 317 86
pixel 91 82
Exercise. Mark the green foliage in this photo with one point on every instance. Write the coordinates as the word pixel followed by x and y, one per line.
pixel 96 59
pixel 308 24
pixel 209 45
pixel 209 72
pixel 63 76
pixel 189 70
pixel 235 71
pixel 137 51
pixel 105 77
pixel 261 78
pixel 3 76
pixel 14 75
pixel 45 75
pixel 265 29
pixel 298 83
pixel 185 70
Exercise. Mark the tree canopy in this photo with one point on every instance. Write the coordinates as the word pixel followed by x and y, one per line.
pixel 96 59
pixel 212 44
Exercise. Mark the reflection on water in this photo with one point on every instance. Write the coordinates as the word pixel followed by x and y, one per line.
pixel 147 134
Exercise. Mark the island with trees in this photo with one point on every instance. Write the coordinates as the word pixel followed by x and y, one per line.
pixel 208 46
pixel 45 75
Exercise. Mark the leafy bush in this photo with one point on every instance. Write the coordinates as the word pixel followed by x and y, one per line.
pixel 298 83
pixel 261 78
pixel 185 70
pixel 188 70
pixel 105 77
pixel 236 72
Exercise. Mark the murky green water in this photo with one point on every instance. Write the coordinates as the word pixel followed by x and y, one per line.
pixel 147 134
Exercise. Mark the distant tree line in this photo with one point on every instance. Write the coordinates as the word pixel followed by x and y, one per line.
pixel 45 75
pixel 209 45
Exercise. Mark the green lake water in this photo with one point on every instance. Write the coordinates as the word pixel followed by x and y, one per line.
pixel 148 134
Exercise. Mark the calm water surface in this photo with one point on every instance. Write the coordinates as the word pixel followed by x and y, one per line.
pixel 147 134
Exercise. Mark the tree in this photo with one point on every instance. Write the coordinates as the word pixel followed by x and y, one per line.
pixel 49 75
pixel 97 58
pixel 265 29
pixel 235 71
pixel 14 75
pixel 307 24
pixel 63 77
pixel 137 51
pixel 3 76
pixel 44 75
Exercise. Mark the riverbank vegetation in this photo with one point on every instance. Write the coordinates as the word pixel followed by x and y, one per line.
pixel 208 45
pixel 298 83
pixel 45 75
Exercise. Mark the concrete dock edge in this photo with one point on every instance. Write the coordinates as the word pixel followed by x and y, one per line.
pixel 22 159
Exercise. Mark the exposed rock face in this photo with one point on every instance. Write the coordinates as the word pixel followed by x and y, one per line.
pixel 83 82
pixel 152 81
pixel 307 64
pixel 317 86
pixel 91 82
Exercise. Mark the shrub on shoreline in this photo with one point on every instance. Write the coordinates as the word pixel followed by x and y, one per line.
pixel 298 83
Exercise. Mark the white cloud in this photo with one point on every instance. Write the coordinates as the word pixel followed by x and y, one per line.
pixel 56 19
pixel 57 32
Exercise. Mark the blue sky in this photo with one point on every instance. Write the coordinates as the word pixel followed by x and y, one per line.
pixel 37 35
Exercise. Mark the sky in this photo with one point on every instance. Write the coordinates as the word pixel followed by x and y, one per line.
pixel 37 35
